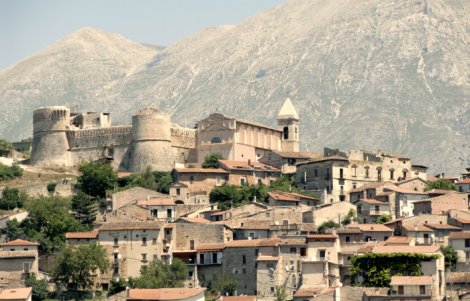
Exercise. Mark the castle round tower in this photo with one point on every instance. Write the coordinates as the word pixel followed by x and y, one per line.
pixel 151 141
pixel 50 145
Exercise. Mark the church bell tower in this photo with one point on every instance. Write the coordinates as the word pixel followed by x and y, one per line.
pixel 288 123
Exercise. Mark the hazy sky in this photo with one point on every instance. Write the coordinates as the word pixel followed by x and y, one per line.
pixel 28 26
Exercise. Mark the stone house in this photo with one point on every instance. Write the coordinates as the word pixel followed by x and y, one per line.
pixel 287 161
pixel 401 199
pixel 422 234
pixel 254 229
pixel 18 259
pixel 441 204
pixel 249 172
pixel 129 246
pixel 209 263
pixel 337 173
pixel 416 184
pixel 280 198
pixel 81 238
pixel 347 235
pixel 412 287
pixel 162 209
pixel 366 191
pixel 460 218
pixel 442 232
pixel 463 185
pixel 460 241
pixel 370 209
pixel 196 183
pixel 238 212
pixel 124 197
pixel 166 294
pixel 373 232
pixel 17 294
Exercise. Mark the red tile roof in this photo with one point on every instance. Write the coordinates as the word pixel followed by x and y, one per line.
pixel 314 237
pixel 195 220
pixel 81 235
pixel 406 249
pixel 282 197
pixel 410 280
pixel 459 235
pixel 19 242
pixel 157 202
pixel 267 258
pixel 237 298
pixel 201 170
pixel 371 227
pixel 464 181
pixel 417 228
pixel 164 293
pixel 210 247
pixel 245 165
pixel 372 201
pixel 398 240
pixel 16 293
pixel 129 226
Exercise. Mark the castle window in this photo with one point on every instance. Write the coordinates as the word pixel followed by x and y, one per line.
pixel 286 133
pixel 379 174
pixel 354 170
pixel 366 168
pixel 216 140
pixel 391 173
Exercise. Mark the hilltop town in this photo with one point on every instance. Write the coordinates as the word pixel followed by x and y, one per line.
pixel 228 210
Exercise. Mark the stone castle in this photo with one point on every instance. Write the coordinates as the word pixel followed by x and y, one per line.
pixel 62 138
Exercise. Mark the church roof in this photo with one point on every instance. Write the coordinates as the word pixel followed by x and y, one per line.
pixel 288 110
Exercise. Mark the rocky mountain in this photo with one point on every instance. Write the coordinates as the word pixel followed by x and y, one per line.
pixel 371 74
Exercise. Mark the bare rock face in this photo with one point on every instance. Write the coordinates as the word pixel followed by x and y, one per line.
pixel 372 74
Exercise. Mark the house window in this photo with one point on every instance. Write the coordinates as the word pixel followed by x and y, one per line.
pixel 244 259
pixel 460 188
pixel 216 140
pixel 322 254
pixel 214 257
pixel 400 290
pixel 422 290
pixel 404 174
pixel 467 257
pixel 217 180
pixel 293 250
pixel 116 241
pixel 144 241
pixel 116 270
pixel 366 169
pixel 154 241
pixel 244 270
pixel 191 179
pixel 354 170
pixel 144 257
pixel 251 235
pixel 201 258
pixel 242 181
pixel 168 213
pixel 467 243
pixel 315 171
pixel 303 251
pixel 391 173
pixel 341 174
pixel 379 174
pixel 348 239
pixel 285 133
pixel 272 289
pixel 260 182
pixel 154 213
pixel 178 191
pixel 26 267
pixel 191 244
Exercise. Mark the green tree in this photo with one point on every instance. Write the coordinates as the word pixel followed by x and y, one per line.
pixel 450 257
pixel 159 275
pixel 40 291
pixel 14 230
pixel 440 184
pixel 85 208
pixel 12 198
pixel 212 160
pixel 226 285
pixel 226 196
pixel 284 183
pixel 47 222
pixel 51 187
pixel 6 148
pixel 96 178
pixel 75 266
pixel 349 218
pixel 327 225
pixel 384 218
pixel 163 180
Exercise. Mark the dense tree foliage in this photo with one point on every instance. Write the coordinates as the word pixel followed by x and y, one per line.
pixel 75 266
pixel 47 223
pixel 85 208
pixel 450 257
pixel 226 285
pixel 327 225
pixel 440 184
pixel 384 218
pixel 12 198
pixel 284 183
pixel 156 180
pixel 231 195
pixel 159 274
pixel 10 172
pixel 96 178
pixel 281 294
pixel 378 269
pixel 40 291
pixel 212 160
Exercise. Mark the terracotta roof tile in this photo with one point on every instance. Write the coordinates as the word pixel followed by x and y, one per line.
pixel 443 226
pixel 19 242
pixel 371 227
pixel 410 280
pixel 464 181
pixel 210 247
pixel 417 228
pixel 245 165
pixel 81 235
pixel 201 170
pixel 16 293
pixel 398 240
pixel 164 293
pixel 459 235
pixel 237 298
pixel 129 226
pixel 267 258
pixel 372 201
pixel 156 202
pixel 314 237
pixel 406 249
pixel 195 220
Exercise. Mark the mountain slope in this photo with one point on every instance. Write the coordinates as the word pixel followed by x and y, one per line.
pixel 69 72
pixel 366 74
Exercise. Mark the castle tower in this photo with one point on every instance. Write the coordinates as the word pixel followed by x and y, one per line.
pixel 288 123
pixel 50 145
pixel 151 141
